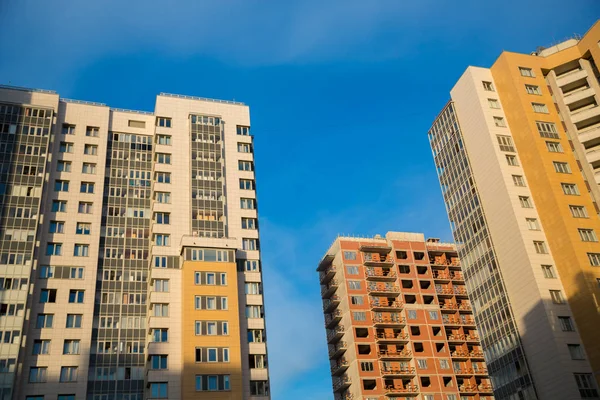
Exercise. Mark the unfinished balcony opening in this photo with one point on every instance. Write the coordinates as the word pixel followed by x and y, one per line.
pixel 422 270
pixel 361 332
pixel 404 269
pixel 425 284
pixel 419 255
pixel 407 284
pixel 428 299
pixel 415 331
pixel 418 347
pixel 369 384
pixel 410 299
pixel 401 255
pixel 448 381
pixel 425 382
pixel 364 349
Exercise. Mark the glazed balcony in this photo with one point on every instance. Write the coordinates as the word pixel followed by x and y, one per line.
pixel 376 259
pixel 383 289
pixel 333 318
pixel 396 370
pixel 341 383
pixel 329 289
pixel 333 335
pixel 380 274
pixel 399 391
pixel 389 320
pixel 385 354
pixel 336 350
pixel 384 304
pixel 338 367
pixel 327 274
pixel 392 337
pixel 331 303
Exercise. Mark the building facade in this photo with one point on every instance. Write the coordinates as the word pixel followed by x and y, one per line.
pixel 399 322
pixel 130 262
pixel 514 155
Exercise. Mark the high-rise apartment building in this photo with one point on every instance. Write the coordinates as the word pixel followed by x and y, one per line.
pixel 516 154
pixel 399 322
pixel 130 259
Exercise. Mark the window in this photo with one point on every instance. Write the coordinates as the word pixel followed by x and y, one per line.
pixel 160 310
pixel 518 180
pixel 160 335
pixel 251 265
pixel 65 147
pixel 594 259
pixel 44 321
pixel 247 204
pixel 68 129
pixel 158 390
pixel 248 223
pixel 92 131
pixel 162 218
pixel 557 297
pixel 61 186
pixel 586 386
pixel 76 273
pixel 162 197
pixel 499 122
pixel 540 108
pixel 74 320
pixel 357 300
pixel 533 224
pixel 161 285
pixel 570 188
pixel 68 374
pixel 354 285
pixel 494 103
pixel 512 160
pixel 548 271
pixel 87 187
pixel 66 397
pixel 540 247
pixel 243 130
pixel 359 316
pixel 81 250
pixel 528 72
pixel 163 139
pixel 566 324
pixel 352 269
pixel 533 89
pixel 54 249
pixel 83 228
pixel 88 168
pixel 444 364
pixel 84 207
pixel 525 202
pixel 63 166
pixel 561 167
pixel 59 206
pixel 576 352
pixel 57 227
pixel 163 158
pixel 547 129
pixel 161 239
pixel 162 177
pixel 245 165
pixel 246 184
pixel 163 122
pixel 422 362
pixel 350 255
pixel 76 296
pixel 158 361
pixel 41 347
pixel 411 314
pixel 554 147
pixel 487 86
pixel 90 150
pixel 38 374
pixel 254 312
pixel 46 272
pixel 434 315
pixel 259 388
pixel 48 296
pixel 71 346
pixel 587 235
pixel 244 148
pixel 249 244
pixel 578 211
pixel 505 143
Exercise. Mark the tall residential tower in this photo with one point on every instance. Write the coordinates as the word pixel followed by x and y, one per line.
pixel 515 153
pixel 130 260
pixel 399 322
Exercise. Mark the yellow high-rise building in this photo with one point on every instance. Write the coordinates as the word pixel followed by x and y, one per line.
pixel 517 153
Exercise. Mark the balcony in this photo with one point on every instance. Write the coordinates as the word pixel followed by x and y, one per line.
pixel 404 354
pixel 457 276
pixel 333 335
pixel 570 77
pixel 457 338
pixel 389 337
pixel 394 370
pixel 336 350
pixel 480 371
pixel 467 388
pixel 341 383
pixel 441 275
pixel 325 262
pixel 451 321
pixel 386 305
pixel 593 156
pixel 376 259
pixel 333 318
pixel 383 289
pixel 398 391
pixel 331 303
pixel 388 320
pixel 472 338
pixel 581 115
pixel 485 388
pixel 337 368
pixel 577 95
pixel 449 306
pixel 327 274
pixel 329 289
pixel 375 248
pixel 444 291
pixel 380 274
pixel 476 354
pixel 459 354
pixel 467 321
pixel 459 290
pixel 589 133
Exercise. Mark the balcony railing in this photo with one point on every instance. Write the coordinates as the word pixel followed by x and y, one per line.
pixel 476 354
pixel 336 350
pixel 467 389
pixel 380 274
pixel 485 388
pixel 400 389
pixel 333 318
pixel 397 370
pixel 339 367
pixel 341 383
pixel 331 303
pixel 392 337
pixel 459 290
pixel 444 290
pixel 335 334
pixel 380 304
pixel 394 354
pixel 329 289
pixel 441 275
pixel 456 276
pixel 327 274
pixel 384 289
pixel 388 320
pixel 377 259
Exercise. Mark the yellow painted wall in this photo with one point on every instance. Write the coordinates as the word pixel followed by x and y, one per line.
pixel 191 341
pixel 569 252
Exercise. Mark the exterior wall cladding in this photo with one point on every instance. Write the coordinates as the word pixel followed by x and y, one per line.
pixel 129 251
pixel 516 151
pixel 399 322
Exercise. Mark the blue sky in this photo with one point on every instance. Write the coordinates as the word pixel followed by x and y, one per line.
pixel 342 94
